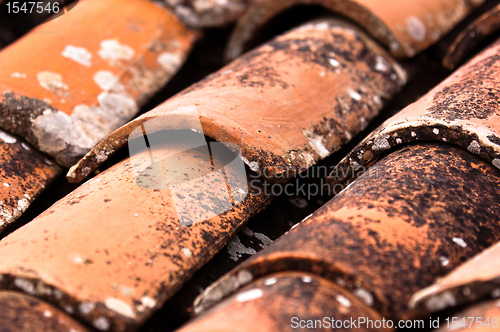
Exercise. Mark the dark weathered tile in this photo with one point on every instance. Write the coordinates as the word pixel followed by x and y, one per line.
pixel 417 214
pixel 478 279
pixel 20 312
pixel 464 110
pixel 288 301
pixel 468 40
pixel 24 174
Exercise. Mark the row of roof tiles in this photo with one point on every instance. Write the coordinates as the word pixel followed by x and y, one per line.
pixel 136 268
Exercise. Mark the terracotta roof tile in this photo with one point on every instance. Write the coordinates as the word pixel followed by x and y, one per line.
pixel 406 27
pixel 471 37
pixel 287 104
pixel 463 110
pixel 126 252
pixel 392 231
pixel 271 303
pixel 24 174
pixel 19 312
pixel 476 280
pixel 93 75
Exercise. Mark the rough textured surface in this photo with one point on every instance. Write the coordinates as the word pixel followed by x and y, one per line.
pixel 405 26
pixel 269 304
pixel 93 75
pixel 287 104
pixel 477 279
pixel 208 13
pixel 418 214
pixel 471 37
pixel 463 110
pixel 117 243
pixel 24 174
pixel 479 318
pixel 19 312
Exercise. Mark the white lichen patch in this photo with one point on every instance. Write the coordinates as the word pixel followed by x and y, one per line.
pixel 186 252
pixel 306 280
pixel 333 62
pixel 6 216
pixel 253 165
pixel 148 302
pixel 343 301
pixel 112 50
pixel 440 302
pixel 416 28
pixel 364 296
pixel 101 323
pixel 496 163
pixel 87 126
pixel 340 282
pixel 6 138
pixel 52 82
pixel 120 307
pixel 77 54
pixel 22 205
pixel 25 285
pixel 380 144
pixel 474 147
pixel 460 242
pixel 107 81
pixel 236 249
pixel 170 61
pixel 86 308
pixel 316 142
pixel 353 94
pixel 381 65
pixel 270 281
pixel 444 261
pixel 54 131
pixel 250 295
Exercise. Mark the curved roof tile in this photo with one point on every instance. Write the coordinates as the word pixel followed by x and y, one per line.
pixel 405 26
pixel 75 80
pixel 287 104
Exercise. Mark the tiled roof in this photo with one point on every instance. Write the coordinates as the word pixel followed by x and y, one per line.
pixel 393 219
